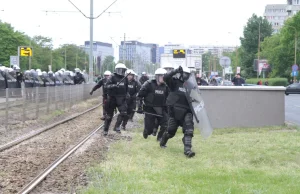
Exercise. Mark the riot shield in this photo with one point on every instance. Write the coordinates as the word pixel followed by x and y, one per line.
pixel 2 80
pixel 59 79
pixel 197 106
pixel 11 79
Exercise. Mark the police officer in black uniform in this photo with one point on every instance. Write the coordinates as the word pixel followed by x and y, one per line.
pixel 154 93
pixel 78 77
pixel 144 78
pixel 51 77
pixel 133 88
pixel 117 87
pixel 101 83
pixel 179 110
pixel 19 76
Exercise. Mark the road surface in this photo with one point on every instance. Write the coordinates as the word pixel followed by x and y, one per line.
pixel 292 108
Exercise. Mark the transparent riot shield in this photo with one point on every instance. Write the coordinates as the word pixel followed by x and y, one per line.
pixel 197 105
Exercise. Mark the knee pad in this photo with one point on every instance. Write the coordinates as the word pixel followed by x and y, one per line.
pixel 189 132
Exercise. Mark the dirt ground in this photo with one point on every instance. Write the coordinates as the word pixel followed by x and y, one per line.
pixel 20 129
pixel 23 162
pixel 71 174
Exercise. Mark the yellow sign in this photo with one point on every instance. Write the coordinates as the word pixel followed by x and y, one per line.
pixel 25 51
pixel 178 51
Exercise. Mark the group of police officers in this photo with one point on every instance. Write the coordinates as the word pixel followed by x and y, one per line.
pixel 162 100
pixel 13 77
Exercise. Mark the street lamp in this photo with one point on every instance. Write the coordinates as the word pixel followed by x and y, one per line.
pixel 258 49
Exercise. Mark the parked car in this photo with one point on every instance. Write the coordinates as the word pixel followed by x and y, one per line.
pixel 227 83
pixel 293 89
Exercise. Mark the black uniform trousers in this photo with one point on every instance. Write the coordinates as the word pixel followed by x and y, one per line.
pixel 131 106
pixel 151 121
pixel 113 103
pixel 180 117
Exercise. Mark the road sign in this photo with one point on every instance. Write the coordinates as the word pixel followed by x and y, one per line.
pixel 225 62
pixel 228 70
pixel 295 73
pixel 14 60
pixel 295 67
pixel 238 69
pixel 25 51
pixel 197 64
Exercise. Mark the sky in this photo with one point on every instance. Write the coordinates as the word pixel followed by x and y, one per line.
pixel 189 22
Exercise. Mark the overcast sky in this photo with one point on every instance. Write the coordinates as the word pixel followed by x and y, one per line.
pixel 189 22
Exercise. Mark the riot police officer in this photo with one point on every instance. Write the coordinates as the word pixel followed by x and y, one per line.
pixel 2 79
pixel 144 78
pixel 168 67
pixel 59 78
pixel 51 78
pixel 154 94
pixel 117 87
pixel 101 83
pixel 180 113
pixel 78 77
pixel 19 75
pixel 133 88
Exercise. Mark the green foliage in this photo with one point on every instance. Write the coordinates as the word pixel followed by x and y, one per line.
pixel 9 42
pixel 43 52
pixel 109 64
pixel 249 42
pixel 231 161
pixel 279 49
pixel 272 81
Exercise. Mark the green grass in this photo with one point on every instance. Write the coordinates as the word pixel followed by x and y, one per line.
pixel 253 161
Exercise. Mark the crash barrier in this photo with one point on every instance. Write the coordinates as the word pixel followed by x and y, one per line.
pixel 22 104
pixel 244 106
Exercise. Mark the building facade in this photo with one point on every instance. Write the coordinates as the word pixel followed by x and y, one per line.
pixel 215 50
pixel 277 14
pixel 100 51
pixel 137 53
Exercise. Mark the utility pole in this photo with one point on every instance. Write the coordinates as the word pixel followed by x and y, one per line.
pixel 91 73
pixel 29 58
pixel 77 57
pixel 258 50
pixel 91 17
pixel 65 57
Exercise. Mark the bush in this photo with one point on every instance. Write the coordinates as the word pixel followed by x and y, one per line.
pixel 272 81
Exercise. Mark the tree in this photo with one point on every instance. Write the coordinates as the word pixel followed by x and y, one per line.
pixel 109 64
pixel 279 48
pixel 9 42
pixel 250 42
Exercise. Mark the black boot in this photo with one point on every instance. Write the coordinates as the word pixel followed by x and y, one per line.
pixel 164 140
pixel 154 132
pixel 117 129
pixel 187 142
pixel 145 134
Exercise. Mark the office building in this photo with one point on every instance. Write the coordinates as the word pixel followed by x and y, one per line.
pixel 277 14
pixel 137 53
pixel 100 51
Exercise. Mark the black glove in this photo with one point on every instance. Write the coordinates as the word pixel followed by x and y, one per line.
pixel 179 70
pixel 128 96
pixel 91 93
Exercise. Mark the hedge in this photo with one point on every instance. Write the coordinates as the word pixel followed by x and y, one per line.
pixel 272 81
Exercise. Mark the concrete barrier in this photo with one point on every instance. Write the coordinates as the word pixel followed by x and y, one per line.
pixel 244 106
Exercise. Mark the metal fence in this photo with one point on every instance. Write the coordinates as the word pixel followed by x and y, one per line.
pixel 21 104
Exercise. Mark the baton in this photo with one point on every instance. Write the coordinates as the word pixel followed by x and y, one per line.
pixel 147 113
pixel 123 79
